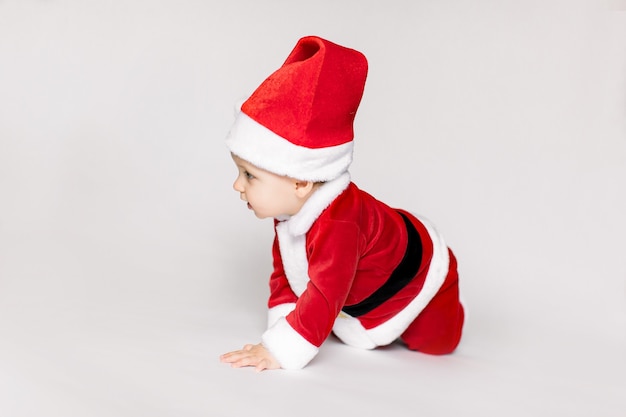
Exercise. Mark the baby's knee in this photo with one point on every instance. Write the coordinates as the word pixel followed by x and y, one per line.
pixel 435 340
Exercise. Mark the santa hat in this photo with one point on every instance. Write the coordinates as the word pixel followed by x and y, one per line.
pixel 299 121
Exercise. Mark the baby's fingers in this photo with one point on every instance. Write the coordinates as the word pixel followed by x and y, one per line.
pixel 245 350
pixel 243 360
pixel 262 365
pixel 232 356
pixel 239 358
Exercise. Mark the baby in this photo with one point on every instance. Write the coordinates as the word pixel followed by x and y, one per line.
pixel 344 262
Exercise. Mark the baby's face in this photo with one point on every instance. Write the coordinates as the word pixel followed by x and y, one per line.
pixel 267 194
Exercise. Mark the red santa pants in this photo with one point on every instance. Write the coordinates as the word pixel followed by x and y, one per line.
pixel 437 330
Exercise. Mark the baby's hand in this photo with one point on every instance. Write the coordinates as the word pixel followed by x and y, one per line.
pixel 251 355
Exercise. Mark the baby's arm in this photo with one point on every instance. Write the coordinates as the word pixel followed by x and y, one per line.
pixel 251 355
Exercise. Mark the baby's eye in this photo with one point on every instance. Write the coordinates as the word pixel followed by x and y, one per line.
pixel 248 175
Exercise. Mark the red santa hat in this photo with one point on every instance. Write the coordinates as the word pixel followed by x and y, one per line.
pixel 299 121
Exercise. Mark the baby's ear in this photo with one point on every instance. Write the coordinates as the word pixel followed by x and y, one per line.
pixel 304 188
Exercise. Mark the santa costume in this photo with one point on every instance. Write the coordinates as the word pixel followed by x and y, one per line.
pixel 345 263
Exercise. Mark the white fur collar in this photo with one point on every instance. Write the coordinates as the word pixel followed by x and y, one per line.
pixel 301 222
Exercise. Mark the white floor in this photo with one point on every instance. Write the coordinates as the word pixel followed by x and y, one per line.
pixel 128 264
pixel 85 332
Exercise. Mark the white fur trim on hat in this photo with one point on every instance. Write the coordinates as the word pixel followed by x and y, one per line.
pixel 265 149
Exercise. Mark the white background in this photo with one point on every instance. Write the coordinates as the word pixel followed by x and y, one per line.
pixel 128 263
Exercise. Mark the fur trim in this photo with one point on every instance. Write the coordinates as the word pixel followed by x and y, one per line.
pixel 260 146
pixel 290 349
pixel 300 223
pixel 276 312
pixel 293 254
pixel 351 332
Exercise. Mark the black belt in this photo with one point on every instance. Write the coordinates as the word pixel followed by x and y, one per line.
pixel 399 278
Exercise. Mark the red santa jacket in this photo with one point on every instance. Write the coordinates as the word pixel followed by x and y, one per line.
pixel 349 264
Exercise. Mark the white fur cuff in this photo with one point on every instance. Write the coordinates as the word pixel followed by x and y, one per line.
pixel 276 312
pixel 290 349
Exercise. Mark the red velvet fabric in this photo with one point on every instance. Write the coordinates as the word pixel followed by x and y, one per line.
pixel 352 248
pixel 312 99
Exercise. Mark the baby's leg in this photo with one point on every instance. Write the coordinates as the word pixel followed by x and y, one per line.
pixel 437 330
